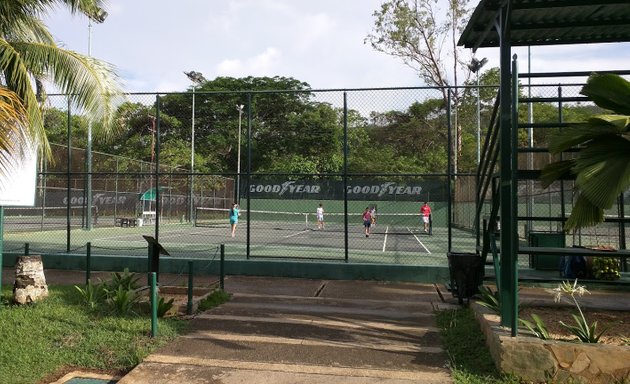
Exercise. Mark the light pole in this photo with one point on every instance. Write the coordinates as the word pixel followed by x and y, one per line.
pixel 99 17
pixel 239 108
pixel 475 66
pixel 197 78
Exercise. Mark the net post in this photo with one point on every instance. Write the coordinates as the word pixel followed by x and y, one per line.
pixel 27 249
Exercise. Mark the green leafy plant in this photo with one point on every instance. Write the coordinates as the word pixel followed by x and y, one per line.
pixel 584 332
pixel 121 301
pixel 489 299
pixel 164 306
pixel 601 166
pixel 127 280
pixel 537 328
pixel 606 268
pixel 93 295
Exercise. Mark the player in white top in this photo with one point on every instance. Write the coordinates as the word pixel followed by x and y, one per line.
pixel 320 216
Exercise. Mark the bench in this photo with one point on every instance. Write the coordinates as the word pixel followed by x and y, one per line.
pixel 148 217
pixel 125 222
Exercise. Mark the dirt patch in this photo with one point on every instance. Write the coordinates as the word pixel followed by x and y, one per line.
pixel 616 323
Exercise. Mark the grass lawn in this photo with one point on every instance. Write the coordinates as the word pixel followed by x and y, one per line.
pixel 45 338
pixel 469 357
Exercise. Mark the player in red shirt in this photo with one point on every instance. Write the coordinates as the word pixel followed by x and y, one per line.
pixel 367 221
pixel 425 212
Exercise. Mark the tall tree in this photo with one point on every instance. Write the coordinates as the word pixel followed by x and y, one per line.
pixel 30 57
pixel 418 32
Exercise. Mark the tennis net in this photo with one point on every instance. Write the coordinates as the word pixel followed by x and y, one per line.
pixel 38 218
pixel 391 223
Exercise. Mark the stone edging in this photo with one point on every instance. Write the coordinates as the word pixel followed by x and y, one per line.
pixel 539 360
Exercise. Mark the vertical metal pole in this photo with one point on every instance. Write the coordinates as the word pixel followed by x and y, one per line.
pixel 88 262
pixel 68 174
pixel 1 247
pixel 153 293
pixel 88 151
pixel 561 120
pixel 27 250
pixel 149 260
pixel 622 230
pixel 249 170
pixel 514 199
pixel 506 187
pixel 478 121
pixel 158 197
pixel 345 176
pixel 530 143
pixel 192 158
pixel 449 171
pixel 189 305
pixel 238 159
pixel 222 268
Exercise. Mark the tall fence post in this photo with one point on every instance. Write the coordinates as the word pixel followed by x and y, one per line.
pixel 189 306
pixel 88 262
pixel 221 268
pixel 153 298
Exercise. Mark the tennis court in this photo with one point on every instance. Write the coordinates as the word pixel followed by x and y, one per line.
pixel 394 239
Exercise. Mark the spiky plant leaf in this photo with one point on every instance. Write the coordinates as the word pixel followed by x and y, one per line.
pixel 608 91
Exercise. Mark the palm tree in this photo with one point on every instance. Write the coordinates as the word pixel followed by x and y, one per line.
pixel 601 167
pixel 30 58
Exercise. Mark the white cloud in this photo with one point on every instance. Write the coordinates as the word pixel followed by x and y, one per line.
pixel 262 64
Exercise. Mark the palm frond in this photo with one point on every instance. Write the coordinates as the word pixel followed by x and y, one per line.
pixel 584 214
pixel 608 91
pixel 580 133
pixel 603 170
pixel 555 171
pixel 90 83
pixel 13 123
pixel 18 80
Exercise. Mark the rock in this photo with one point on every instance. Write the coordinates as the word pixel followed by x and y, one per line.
pixel 30 283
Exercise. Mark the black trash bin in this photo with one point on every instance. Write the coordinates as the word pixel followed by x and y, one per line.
pixel 466 271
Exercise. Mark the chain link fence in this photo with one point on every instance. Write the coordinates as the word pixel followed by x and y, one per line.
pixel 177 162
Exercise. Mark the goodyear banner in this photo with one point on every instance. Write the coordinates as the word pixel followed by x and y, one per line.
pixel 433 190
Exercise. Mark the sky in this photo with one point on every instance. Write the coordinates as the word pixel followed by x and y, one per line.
pixel 152 42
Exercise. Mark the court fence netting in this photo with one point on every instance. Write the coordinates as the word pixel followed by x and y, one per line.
pixel 348 150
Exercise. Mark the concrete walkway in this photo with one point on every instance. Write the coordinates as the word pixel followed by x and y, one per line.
pixel 307 331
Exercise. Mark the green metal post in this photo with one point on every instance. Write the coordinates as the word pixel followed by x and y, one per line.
pixel 249 172
pixel 345 175
pixel 68 174
pixel 153 293
pixel 150 261
pixel 158 203
pixel 449 171
pixel 88 262
pixel 514 201
pixel 27 249
pixel 506 186
pixel 1 246
pixel 189 306
pixel 221 268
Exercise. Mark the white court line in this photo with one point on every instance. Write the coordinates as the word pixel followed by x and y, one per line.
pixel 297 233
pixel 385 241
pixel 414 235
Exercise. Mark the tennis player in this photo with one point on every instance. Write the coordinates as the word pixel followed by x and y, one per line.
pixel 367 221
pixel 425 212
pixel 320 216
pixel 234 214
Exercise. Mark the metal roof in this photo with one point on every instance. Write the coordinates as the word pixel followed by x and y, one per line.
pixel 549 22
